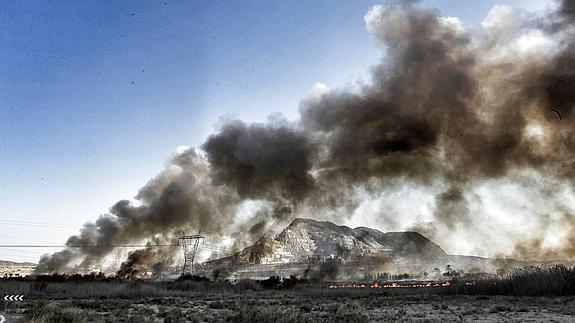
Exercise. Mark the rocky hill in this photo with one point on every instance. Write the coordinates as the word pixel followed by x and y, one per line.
pixel 306 239
pixel 309 247
pixel 10 268
pixel 313 248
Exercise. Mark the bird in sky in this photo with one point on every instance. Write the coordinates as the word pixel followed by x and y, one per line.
pixel 558 113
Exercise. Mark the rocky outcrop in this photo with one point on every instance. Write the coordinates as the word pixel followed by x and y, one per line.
pixel 305 240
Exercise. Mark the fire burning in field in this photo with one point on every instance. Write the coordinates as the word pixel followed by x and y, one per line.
pixel 412 284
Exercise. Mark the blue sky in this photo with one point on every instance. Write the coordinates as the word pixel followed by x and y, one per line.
pixel 95 95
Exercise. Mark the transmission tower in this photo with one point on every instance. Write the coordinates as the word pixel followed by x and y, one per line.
pixel 190 245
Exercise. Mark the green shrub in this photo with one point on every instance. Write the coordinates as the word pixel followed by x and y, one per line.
pixel 348 313
pixel 173 315
pixel 261 314
pixel 54 313
pixel 217 305
pixel 556 280
pixel 248 284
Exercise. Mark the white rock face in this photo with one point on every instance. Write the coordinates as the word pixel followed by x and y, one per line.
pixel 323 250
pixel 307 240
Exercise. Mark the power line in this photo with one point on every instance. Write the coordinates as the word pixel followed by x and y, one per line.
pixel 22 251
pixel 18 256
pixel 39 224
pixel 3 235
pixel 208 248
pixel 220 252
pixel 86 246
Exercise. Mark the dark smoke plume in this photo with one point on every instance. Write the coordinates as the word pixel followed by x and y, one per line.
pixel 141 261
pixel 567 10
pixel 446 107
pixel 177 201
pixel 325 271
pixel 451 207
pixel 261 161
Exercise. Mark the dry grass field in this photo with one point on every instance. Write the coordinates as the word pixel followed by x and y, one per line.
pixel 529 295
pixel 301 306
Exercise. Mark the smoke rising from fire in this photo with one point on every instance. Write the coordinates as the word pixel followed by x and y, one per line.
pixel 177 201
pixel 448 109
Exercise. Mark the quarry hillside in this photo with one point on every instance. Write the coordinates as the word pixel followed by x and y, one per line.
pixel 309 248
pixel 306 239
pixel 321 249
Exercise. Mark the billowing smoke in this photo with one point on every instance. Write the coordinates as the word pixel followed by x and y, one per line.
pixel 261 161
pixel 533 247
pixel 327 270
pixel 144 262
pixel 451 207
pixel 449 111
pixel 178 200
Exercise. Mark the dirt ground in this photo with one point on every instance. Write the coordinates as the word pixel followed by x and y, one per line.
pixel 278 306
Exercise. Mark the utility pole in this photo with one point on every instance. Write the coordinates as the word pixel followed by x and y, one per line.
pixel 190 245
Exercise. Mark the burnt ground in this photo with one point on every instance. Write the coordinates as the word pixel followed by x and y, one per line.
pixel 302 306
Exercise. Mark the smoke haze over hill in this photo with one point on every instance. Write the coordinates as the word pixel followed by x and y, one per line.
pixel 464 135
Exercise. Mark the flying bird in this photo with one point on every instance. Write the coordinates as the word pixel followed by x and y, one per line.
pixel 558 113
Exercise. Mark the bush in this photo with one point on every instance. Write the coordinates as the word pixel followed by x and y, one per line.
pixel 276 282
pixel 39 286
pixel 217 305
pixel 53 313
pixel 248 284
pixel 536 281
pixel 529 281
pixel 194 278
pixel 257 314
pixel 272 282
pixel 346 312
pixel 173 316
pixel 60 278
pixel 499 308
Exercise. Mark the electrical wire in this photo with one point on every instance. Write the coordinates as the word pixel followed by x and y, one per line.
pixel 86 246
pixel 22 251
pixel 5 236
pixel 17 256
pixel 209 248
pixel 39 224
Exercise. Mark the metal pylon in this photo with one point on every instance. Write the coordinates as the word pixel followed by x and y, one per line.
pixel 190 245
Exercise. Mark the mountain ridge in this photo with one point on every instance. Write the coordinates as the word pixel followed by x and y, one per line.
pixel 306 247
pixel 308 240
